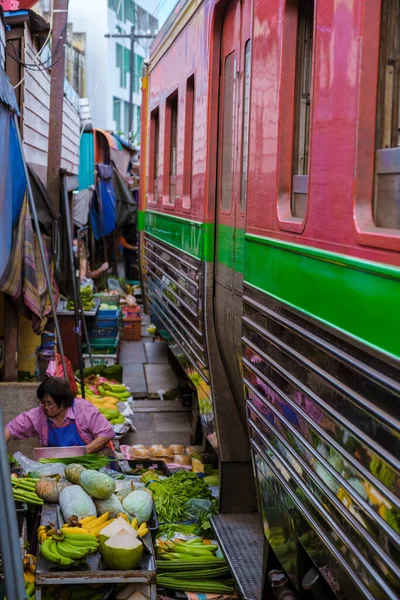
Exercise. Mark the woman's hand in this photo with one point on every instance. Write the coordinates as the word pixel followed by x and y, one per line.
pixel 97 444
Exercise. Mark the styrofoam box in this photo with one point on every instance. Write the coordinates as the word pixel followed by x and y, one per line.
pixel 100 359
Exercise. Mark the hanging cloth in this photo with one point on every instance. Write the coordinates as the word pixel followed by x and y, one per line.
pixel 103 210
pixel 126 205
pixel 81 203
pixel 24 278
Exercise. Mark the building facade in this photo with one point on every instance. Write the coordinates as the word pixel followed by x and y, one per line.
pixel 108 59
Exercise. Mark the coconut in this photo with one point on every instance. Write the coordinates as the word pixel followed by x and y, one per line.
pixel 122 552
pixel 113 528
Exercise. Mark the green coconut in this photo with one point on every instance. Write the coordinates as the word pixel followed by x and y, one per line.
pixel 113 528
pixel 122 552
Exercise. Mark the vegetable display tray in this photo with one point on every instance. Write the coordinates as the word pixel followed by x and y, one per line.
pixel 62 310
pixel 133 465
pixel 93 570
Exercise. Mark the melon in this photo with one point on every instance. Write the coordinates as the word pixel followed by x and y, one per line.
pixel 47 489
pixel 112 505
pixel 118 525
pixel 75 501
pixel 139 504
pixel 98 485
pixel 122 551
pixel 122 494
pixel 73 472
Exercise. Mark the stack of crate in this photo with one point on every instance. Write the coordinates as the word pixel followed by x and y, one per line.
pixel 104 335
pixel 131 324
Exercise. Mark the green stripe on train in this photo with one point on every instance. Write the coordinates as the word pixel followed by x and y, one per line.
pixel 196 239
pixel 358 297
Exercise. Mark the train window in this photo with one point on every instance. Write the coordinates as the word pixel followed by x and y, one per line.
pixel 228 131
pixel 189 134
pixel 154 152
pixel 387 164
pixel 171 162
pixel 245 127
pixel 304 52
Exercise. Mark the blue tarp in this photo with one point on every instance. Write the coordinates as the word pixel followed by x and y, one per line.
pixel 103 207
pixel 12 177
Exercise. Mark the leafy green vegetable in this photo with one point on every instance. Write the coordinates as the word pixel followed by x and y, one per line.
pixel 91 461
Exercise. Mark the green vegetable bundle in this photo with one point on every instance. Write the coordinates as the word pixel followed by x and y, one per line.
pixel 191 566
pixel 91 461
pixel 171 495
pixel 24 490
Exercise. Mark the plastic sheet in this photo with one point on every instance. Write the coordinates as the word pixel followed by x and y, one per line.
pixel 44 469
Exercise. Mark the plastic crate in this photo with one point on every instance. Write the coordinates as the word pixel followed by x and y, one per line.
pixel 132 329
pixel 131 311
pixel 109 333
pixel 150 465
pixel 103 345
pixel 107 299
pixel 100 359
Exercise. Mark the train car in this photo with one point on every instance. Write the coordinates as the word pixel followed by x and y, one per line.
pixel 270 228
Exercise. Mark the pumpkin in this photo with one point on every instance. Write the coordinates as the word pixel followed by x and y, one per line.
pixel 112 505
pixel 98 485
pixel 73 472
pixel 75 501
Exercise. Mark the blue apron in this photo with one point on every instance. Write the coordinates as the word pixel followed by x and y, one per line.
pixel 60 437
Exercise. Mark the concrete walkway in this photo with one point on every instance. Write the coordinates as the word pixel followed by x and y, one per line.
pixel 147 371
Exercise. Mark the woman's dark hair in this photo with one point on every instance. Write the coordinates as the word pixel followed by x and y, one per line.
pixel 58 389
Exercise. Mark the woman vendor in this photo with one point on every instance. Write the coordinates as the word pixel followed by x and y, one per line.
pixel 61 420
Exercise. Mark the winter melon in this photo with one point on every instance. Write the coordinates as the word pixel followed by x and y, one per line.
pixel 75 501
pixel 73 472
pixel 112 505
pixel 98 485
pixel 139 504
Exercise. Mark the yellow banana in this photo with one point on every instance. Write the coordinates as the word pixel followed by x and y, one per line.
pixel 87 520
pixel 135 523
pixel 76 530
pixel 97 522
pixel 96 531
pixel 123 516
pixel 29 577
pixel 143 530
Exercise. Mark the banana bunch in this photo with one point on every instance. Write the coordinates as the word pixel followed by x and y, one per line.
pixel 142 530
pixel 114 390
pixel 45 532
pixel 29 570
pixel 93 525
pixel 30 590
pixel 69 546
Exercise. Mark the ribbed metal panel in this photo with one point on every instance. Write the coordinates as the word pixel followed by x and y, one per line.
pixel 324 424
pixel 174 286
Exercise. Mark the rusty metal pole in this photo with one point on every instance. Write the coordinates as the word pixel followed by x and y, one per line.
pixel 60 21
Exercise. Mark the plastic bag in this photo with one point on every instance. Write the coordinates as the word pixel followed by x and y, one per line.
pixel 55 369
pixel 114 286
pixel 195 506
pixel 44 469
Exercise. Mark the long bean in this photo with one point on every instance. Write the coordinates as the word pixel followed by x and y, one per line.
pixel 202 586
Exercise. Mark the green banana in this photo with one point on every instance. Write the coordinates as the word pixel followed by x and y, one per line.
pixel 116 388
pixel 81 537
pixel 70 552
pixel 80 544
pixel 63 560
pixel 45 551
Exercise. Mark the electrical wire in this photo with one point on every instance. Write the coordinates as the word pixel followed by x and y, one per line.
pixel 42 66
pixel 44 45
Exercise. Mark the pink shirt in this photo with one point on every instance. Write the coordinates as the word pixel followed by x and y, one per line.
pixel 90 423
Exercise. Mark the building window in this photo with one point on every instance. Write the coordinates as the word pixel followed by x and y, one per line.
pixel 129 11
pixel 245 126
pixel 386 208
pixel 116 5
pixel 189 135
pixel 154 153
pixel 138 72
pixel 127 125
pixel 117 114
pixel 228 124
pixel 301 134
pixel 121 64
pixel 138 128
pixel 171 127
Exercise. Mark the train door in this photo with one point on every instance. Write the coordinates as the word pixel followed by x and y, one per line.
pixel 232 188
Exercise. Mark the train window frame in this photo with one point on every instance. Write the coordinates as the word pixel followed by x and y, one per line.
pixel 171 132
pixel 225 207
pixel 190 112
pixel 154 156
pixel 291 106
pixel 367 232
